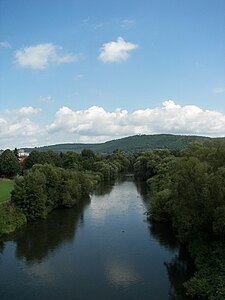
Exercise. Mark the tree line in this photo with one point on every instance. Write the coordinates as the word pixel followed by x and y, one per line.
pixel 107 166
pixel 47 180
pixel 187 189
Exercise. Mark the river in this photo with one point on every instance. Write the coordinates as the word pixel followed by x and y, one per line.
pixel 104 248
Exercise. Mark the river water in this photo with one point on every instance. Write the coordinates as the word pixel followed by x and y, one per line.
pixel 102 249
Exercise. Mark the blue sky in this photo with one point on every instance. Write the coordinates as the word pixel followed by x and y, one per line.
pixel 90 71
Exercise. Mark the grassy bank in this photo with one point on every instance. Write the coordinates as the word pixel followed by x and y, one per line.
pixel 10 219
pixel 6 186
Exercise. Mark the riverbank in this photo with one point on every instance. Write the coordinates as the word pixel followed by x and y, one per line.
pixel 39 192
pixel 11 218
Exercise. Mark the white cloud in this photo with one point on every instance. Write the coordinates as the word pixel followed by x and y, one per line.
pixel 116 51
pixel 94 121
pixel 41 55
pixel 20 128
pixel 5 45
pixel 218 90
pixel 96 124
pixel 28 110
pixel 17 129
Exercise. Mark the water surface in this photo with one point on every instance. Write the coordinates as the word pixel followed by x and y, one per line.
pixel 102 249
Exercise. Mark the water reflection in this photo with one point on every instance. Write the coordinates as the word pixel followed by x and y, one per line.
pixel 121 274
pixel 180 268
pixel 2 246
pixel 44 237
pixel 104 188
pixel 142 189
pixel 164 234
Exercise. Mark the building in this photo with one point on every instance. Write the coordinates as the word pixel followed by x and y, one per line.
pixel 22 155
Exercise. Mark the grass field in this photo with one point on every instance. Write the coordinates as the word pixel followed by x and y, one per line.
pixel 6 187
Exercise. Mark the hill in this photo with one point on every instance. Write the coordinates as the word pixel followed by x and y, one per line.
pixel 131 144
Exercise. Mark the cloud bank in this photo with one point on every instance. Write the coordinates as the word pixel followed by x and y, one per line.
pixel 116 51
pixel 95 124
pixel 17 129
pixel 41 55
pixel 170 118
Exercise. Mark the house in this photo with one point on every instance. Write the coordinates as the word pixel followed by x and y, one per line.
pixel 22 155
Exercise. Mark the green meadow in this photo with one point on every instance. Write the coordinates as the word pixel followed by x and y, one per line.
pixel 6 187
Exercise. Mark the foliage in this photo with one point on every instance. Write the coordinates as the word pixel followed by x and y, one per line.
pixel 37 157
pixel 46 187
pixel 71 160
pixel 188 190
pixel 11 219
pixel 208 280
pixel 9 165
pixel 87 153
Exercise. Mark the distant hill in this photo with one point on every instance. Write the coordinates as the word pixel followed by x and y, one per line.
pixel 131 144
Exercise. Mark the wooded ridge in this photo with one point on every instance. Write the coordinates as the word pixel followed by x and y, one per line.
pixel 130 144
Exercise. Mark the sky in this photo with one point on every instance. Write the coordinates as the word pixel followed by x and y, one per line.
pixel 95 70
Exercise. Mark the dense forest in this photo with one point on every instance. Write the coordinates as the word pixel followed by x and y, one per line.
pixel 131 144
pixel 186 186
pixel 188 191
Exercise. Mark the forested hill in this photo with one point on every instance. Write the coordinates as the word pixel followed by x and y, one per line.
pixel 136 143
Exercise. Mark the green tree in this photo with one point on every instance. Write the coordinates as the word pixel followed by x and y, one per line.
pixel 87 153
pixel 38 157
pixel 29 195
pixel 9 165
pixel 35 157
pixel 71 160
pixel 16 152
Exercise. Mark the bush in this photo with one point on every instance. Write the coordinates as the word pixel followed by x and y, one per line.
pixel 11 219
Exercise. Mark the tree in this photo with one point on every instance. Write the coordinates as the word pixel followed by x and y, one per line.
pixel 71 160
pixel 9 165
pixel 46 187
pixel 29 195
pixel 87 153
pixel 16 152
pixel 35 157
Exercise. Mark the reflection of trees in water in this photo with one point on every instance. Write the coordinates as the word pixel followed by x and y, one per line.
pixel 41 238
pixel 180 268
pixel 104 188
pixel 163 232
pixel 2 247
pixel 142 189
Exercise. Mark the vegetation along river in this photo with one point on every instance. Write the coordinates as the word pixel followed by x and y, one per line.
pixel 102 249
